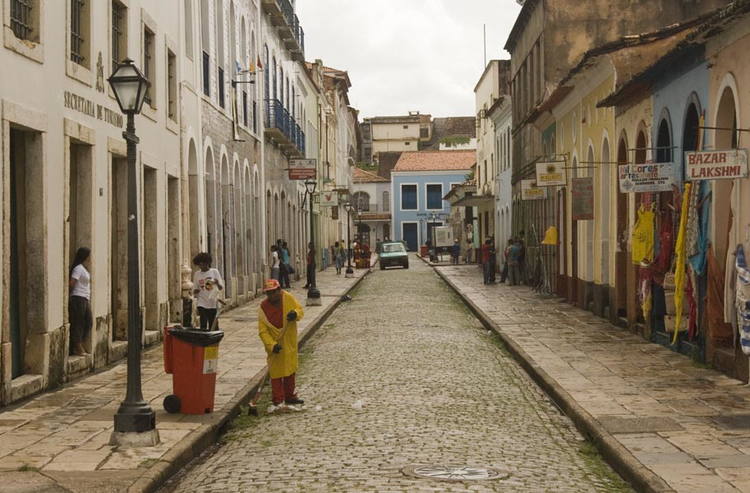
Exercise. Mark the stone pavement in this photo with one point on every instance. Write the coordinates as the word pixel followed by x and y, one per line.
pixel 666 423
pixel 57 441
pixel 402 375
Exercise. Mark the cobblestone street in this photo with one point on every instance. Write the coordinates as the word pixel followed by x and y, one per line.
pixel 405 375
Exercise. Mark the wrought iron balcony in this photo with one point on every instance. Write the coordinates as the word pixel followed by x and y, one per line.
pixel 283 130
pixel 286 21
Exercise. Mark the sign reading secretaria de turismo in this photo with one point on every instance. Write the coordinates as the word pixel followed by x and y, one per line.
pixel 715 165
pixel 302 169
pixel 647 177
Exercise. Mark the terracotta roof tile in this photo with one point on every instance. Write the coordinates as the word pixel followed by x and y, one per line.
pixel 436 161
pixel 364 176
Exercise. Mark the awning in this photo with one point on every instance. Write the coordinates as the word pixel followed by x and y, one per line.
pixel 474 201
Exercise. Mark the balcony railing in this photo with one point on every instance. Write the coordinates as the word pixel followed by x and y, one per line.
pixel 283 16
pixel 283 129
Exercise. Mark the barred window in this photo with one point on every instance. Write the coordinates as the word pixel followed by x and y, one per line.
pixel 78 28
pixel 119 33
pixel 172 85
pixel 148 63
pixel 21 18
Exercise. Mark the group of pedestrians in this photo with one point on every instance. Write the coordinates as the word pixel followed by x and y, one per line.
pixel 281 266
pixel 513 261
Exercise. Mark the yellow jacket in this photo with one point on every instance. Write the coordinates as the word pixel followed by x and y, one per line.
pixel 285 362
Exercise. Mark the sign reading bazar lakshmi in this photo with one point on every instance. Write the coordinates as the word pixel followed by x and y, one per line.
pixel 648 177
pixel 715 165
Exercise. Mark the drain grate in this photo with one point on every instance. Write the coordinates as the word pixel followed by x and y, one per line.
pixel 454 472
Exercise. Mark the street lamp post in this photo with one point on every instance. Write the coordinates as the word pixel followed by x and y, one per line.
pixel 349 270
pixel 135 421
pixel 313 295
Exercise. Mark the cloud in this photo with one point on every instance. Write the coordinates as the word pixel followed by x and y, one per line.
pixel 405 55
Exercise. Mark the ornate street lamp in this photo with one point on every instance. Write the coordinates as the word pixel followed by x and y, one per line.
pixel 313 295
pixel 349 271
pixel 135 421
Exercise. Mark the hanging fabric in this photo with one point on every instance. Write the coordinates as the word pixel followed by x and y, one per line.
pixel 720 332
pixel 702 213
pixel 742 299
pixel 679 275
pixel 643 237
pixel 663 260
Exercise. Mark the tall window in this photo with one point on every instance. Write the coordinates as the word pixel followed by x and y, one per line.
pixel 244 108
pixel 266 74
pixel 171 85
pixel 205 38
pixel 79 30
pixel 148 63
pixel 275 95
pixel 22 14
pixel 189 28
pixel 281 85
pixel 408 197
pixel 435 196
pixel 119 33
pixel 386 201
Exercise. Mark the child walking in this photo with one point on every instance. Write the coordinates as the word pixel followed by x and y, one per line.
pixel 207 283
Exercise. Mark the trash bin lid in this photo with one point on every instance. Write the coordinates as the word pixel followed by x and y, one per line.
pixel 197 337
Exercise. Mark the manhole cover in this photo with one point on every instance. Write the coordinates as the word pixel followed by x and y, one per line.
pixel 454 473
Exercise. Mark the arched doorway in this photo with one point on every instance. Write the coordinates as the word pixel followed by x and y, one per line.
pixel 726 117
pixel 605 188
pixel 225 226
pixel 589 267
pixel 621 252
pixel 210 202
pixel 194 206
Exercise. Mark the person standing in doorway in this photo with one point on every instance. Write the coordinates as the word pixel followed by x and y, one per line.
pixel 486 261
pixel 514 263
pixel 455 252
pixel 310 267
pixel 340 257
pixel 275 263
pixel 277 327
pixel 207 283
pixel 506 253
pixel 79 303
pixel 469 252
pixel 493 260
pixel 285 266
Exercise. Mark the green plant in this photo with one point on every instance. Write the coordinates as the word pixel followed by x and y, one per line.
pixel 455 141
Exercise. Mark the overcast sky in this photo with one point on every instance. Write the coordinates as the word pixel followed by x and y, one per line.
pixel 405 55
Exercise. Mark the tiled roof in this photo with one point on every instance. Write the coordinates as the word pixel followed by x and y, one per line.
pixel 364 176
pixel 436 161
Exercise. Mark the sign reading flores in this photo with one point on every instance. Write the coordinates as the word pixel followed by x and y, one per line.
pixel 550 173
pixel 650 177
pixel 715 165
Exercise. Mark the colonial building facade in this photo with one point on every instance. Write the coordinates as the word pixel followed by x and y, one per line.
pixel 230 102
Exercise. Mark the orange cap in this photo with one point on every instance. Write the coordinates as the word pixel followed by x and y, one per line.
pixel 271 285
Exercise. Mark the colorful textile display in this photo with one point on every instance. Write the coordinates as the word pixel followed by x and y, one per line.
pixel 679 275
pixel 643 237
pixel 702 211
pixel 742 299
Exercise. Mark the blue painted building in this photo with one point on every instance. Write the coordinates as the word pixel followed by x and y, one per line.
pixel 419 182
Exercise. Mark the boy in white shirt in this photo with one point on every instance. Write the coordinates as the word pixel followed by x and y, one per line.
pixel 207 283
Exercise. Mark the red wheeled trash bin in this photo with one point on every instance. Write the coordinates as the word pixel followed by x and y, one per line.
pixel 192 357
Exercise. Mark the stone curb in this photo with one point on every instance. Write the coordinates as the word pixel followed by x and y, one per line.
pixel 199 440
pixel 630 468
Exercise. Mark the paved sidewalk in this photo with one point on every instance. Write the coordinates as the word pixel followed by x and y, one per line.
pixel 58 441
pixel 664 423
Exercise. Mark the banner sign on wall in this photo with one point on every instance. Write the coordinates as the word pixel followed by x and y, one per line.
pixel 550 173
pixel 648 177
pixel 715 165
pixel 529 191
pixel 302 169
pixel 329 198
pixel 583 198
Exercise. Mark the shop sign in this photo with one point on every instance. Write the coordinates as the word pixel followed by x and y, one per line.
pixel 529 191
pixel 329 199
pixel 715 165
pixel 550 173
pixel 303 169
pixel 583 198
pixel 647 177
